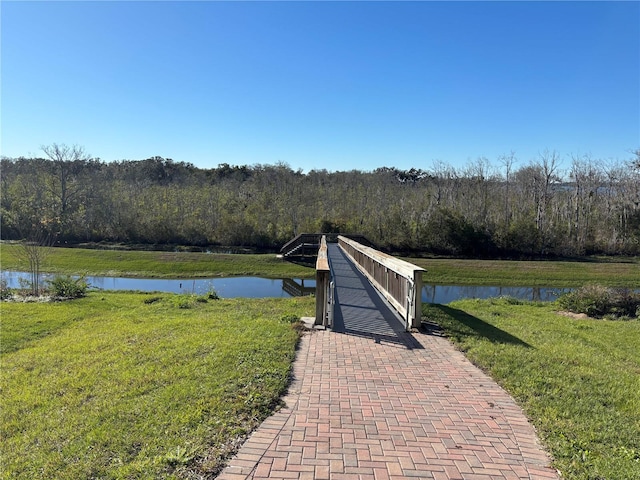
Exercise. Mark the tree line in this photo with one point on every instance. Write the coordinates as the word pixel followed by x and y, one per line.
pixel 483 209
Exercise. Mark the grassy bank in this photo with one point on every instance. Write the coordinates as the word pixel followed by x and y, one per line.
pixel 577 379
pixel 138 386
pixel 511 273
pixel 118 263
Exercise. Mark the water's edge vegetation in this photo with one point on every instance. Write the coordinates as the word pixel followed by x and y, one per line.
pixel 620 272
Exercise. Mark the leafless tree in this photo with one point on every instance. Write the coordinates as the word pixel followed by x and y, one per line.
pixel 587 179
pixel 32 252
pixel 507 161
pixel 635 162
pixel 65 184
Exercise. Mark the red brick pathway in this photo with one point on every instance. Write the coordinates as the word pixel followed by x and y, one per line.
pixel 364 408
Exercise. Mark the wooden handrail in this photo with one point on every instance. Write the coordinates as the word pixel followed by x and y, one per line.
pixel 400 282
pixel 322 263
pixel 313 239
pixel 300 239
pixel 323 282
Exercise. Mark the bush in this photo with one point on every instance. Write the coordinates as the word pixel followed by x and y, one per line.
pixel 509 300
pixel 65 286
pixel 597 301
pixel 151 300
pixel 183 301
pixel 5 291
pixel 290 318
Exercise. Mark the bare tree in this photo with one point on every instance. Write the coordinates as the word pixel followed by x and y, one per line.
pixel 635 162
pixel 547 173
pixel 32 252
pixel 587 178
pixel 507 161
pixel 65 186
pixel 479 177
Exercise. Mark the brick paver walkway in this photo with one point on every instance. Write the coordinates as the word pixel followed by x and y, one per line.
pixel 371 401
pixel 358 409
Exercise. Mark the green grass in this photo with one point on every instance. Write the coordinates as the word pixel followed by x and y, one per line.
pixel 578 380
pixel 511 273
pixel 128 386
pixel 146 264
pixel 118 263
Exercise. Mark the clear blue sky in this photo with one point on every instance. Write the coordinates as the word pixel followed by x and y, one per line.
pixel 335 85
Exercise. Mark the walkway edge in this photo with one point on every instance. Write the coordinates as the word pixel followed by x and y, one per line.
pixel 357 409
pixel 253 450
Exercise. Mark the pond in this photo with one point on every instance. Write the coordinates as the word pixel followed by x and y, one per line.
pixel 256 287
pixel 226 287
pixel 446 293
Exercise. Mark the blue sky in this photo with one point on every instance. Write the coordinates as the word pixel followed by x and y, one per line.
pixel 335 85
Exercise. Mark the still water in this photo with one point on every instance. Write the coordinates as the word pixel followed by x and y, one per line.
pixel 227 287
pixel 445 293
pixel 256 287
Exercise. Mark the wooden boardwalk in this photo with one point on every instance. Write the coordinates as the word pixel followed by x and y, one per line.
pixel 371 401
pixel 359 308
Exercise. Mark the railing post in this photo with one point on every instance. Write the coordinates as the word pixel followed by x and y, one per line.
pixel 417 299
pixel 323 279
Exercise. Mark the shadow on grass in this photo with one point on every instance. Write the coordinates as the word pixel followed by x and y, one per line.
pixel 458 324
pixel 308 261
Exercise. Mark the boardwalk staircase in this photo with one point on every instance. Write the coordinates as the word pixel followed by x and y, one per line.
pixel 304 247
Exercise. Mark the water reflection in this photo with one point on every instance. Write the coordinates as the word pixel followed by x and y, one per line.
pixel 227 287
pixel 297 288
pixel 256 287
pixel 447 293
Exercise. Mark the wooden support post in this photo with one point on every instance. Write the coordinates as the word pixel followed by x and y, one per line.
pixel 417 287
pixel 323 278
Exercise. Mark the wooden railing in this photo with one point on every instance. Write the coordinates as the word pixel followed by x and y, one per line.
pixel 303 244
pixel 308 243
pixel 400 282
pixel 324 295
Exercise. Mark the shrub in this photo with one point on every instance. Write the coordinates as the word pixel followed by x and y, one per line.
pixel 5 291
pixel 151 300
pixel 65 286
pixel 597 301
pixel 290 318
pixel 183 301
pixel 509 300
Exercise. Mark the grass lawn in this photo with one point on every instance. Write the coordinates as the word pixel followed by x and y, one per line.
pixel 145 264
pixel 510 273
pixel 117 263
pixel 129 385
pixel 578 380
